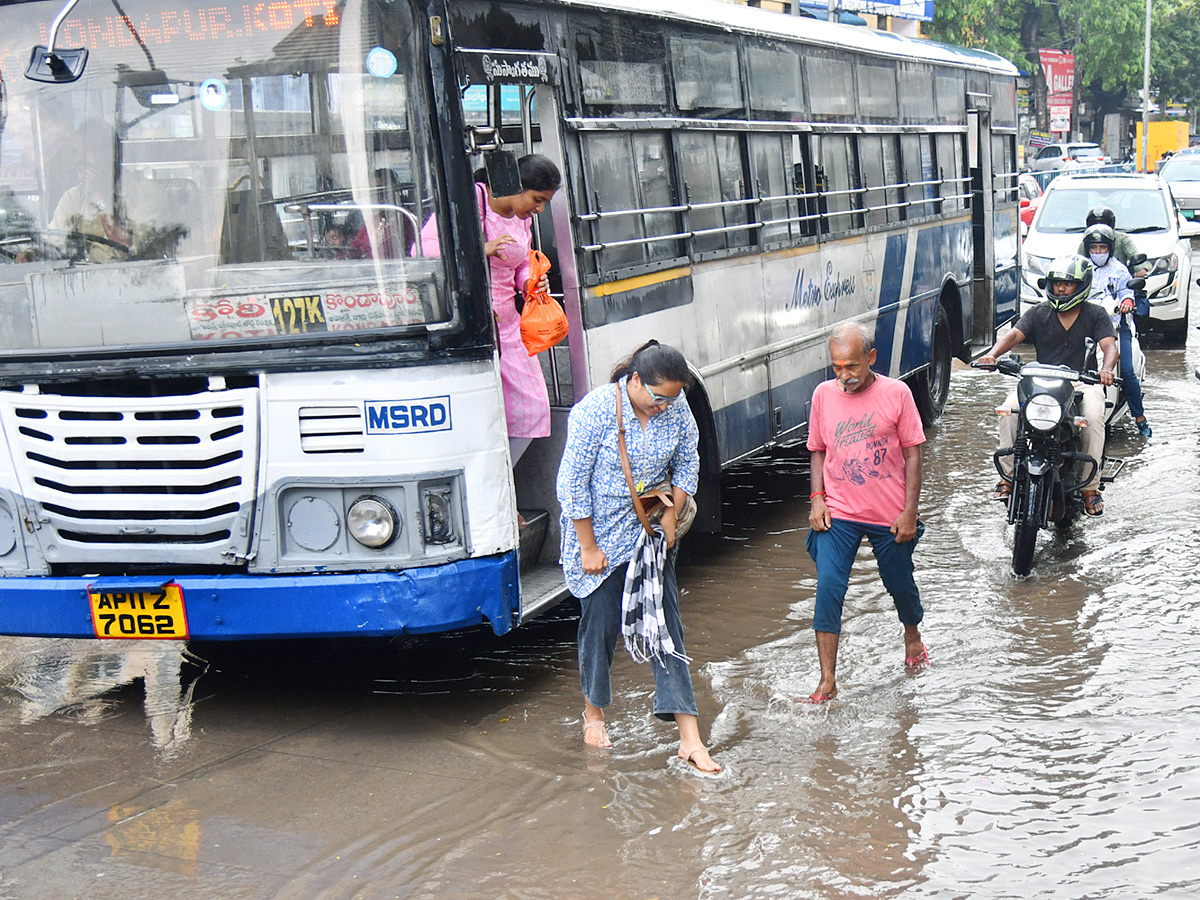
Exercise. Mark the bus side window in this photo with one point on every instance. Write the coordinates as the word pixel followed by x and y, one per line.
pixel 618 192
pixel 835 157
pixel 870 154
pixel 711 165
pixel 918 170
pixel 772 179
pixel 949 155
pixel 806 187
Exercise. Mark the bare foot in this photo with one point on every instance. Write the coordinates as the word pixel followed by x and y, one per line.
pixel 699 760
pixel 594 734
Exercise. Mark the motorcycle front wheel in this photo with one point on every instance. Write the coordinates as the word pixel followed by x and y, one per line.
pixel 1029 500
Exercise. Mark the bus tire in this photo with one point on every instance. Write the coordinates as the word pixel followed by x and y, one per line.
pixel 931 386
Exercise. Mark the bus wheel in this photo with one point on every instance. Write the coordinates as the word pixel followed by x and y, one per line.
pixel 931 386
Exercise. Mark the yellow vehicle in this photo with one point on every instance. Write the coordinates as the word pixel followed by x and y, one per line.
pixel 1166 136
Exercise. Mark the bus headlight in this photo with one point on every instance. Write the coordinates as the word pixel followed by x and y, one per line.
pixel 437 514
pixel 373 522
pixel 1043 412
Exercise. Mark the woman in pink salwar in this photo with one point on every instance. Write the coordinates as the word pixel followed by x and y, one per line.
pixel 508 236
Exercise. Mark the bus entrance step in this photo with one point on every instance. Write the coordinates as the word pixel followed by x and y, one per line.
pixel 533 535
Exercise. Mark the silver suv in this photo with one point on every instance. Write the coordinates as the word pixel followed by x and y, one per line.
pixel 1069 156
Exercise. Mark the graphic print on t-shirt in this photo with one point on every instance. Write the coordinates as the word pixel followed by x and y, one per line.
pixel 861 453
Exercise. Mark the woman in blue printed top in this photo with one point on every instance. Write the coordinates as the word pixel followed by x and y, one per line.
pixel 600 527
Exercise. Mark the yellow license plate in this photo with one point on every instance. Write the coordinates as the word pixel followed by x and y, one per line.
pixel 139 615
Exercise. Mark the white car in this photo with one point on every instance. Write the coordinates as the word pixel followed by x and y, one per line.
pixel 1145 210
pixel 1080 154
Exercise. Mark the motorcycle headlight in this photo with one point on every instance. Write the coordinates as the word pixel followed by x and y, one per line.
pixel 1043 412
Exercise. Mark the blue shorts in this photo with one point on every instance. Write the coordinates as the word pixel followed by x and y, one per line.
pixel 834 550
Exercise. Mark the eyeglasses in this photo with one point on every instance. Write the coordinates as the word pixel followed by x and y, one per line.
pixel 658 399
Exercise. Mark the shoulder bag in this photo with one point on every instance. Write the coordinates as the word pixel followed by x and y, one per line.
pixel 652 502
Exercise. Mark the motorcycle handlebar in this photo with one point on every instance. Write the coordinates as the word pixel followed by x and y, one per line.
pixel 1013 368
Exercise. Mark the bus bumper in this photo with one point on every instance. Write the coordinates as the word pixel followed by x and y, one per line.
pixel 248 607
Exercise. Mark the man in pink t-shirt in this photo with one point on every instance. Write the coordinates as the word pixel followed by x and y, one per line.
pixel 865 439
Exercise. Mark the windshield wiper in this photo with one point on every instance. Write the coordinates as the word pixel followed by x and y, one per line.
pixel 1145 228
pixel 1075 229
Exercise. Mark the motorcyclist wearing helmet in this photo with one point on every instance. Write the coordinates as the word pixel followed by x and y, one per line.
pixel 1110 284
pixel 1123 249
pixel 1059 328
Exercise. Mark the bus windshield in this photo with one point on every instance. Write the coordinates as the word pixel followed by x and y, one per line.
pixel 239 173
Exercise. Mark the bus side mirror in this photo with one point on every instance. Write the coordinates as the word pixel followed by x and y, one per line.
pixel 56 66
pixel 503 173
pixel 53 65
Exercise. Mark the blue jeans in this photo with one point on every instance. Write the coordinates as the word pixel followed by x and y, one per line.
pixel 1130 383
pixel 600 630
pixel 833 551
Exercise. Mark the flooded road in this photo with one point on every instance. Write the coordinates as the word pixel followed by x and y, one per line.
pixel 1049 752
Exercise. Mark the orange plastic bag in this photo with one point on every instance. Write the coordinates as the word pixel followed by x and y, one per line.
pixel 543 322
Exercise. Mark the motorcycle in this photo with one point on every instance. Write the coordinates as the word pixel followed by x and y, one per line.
pixel 1050 467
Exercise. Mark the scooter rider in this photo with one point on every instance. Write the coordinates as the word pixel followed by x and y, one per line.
pixel 1059 328
pixel 1110 282
pixel 1123 249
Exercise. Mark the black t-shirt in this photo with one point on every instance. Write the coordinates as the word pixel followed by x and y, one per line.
pixel 1056 347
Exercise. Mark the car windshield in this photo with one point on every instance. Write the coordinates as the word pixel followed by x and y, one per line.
pixel 1086 152
pixel 1138 210
pixel 1183 168
pixel 218 173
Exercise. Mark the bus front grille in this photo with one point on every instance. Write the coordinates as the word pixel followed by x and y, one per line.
pixel 138 480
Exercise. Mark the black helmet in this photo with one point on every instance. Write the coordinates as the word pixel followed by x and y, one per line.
pixel 1071 268
pixel 1100 234
pixel 1101 215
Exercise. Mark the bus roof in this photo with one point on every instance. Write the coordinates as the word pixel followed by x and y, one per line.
pixel 813 31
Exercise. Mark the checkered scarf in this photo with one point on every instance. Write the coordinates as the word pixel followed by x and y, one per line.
pixel 643 624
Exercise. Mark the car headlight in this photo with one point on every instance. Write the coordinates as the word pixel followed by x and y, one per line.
pixel 373 522
pixel 1043 412
pixel 1168 263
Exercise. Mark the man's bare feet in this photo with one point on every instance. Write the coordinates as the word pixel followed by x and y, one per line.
pixel 594 733
pixel 699 759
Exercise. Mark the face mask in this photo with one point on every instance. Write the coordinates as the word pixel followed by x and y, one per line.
pixel 1099 259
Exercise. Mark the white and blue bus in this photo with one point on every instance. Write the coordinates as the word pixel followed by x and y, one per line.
pixel 227 414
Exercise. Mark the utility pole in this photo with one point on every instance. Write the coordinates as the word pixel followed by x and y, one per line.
pixel 1146 96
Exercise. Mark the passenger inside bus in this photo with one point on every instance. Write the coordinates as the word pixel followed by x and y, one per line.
pixel 379 235
pixel 90 220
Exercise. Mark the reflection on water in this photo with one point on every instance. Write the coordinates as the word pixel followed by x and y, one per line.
pixel 77 678
pixel 1048 753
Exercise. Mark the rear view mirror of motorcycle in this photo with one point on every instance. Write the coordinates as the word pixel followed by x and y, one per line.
pixel 1135 261
pixel 1136 284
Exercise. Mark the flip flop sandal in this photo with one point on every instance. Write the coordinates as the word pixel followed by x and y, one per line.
pixel 1092 504
pixel 596 723
pixel 920 661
